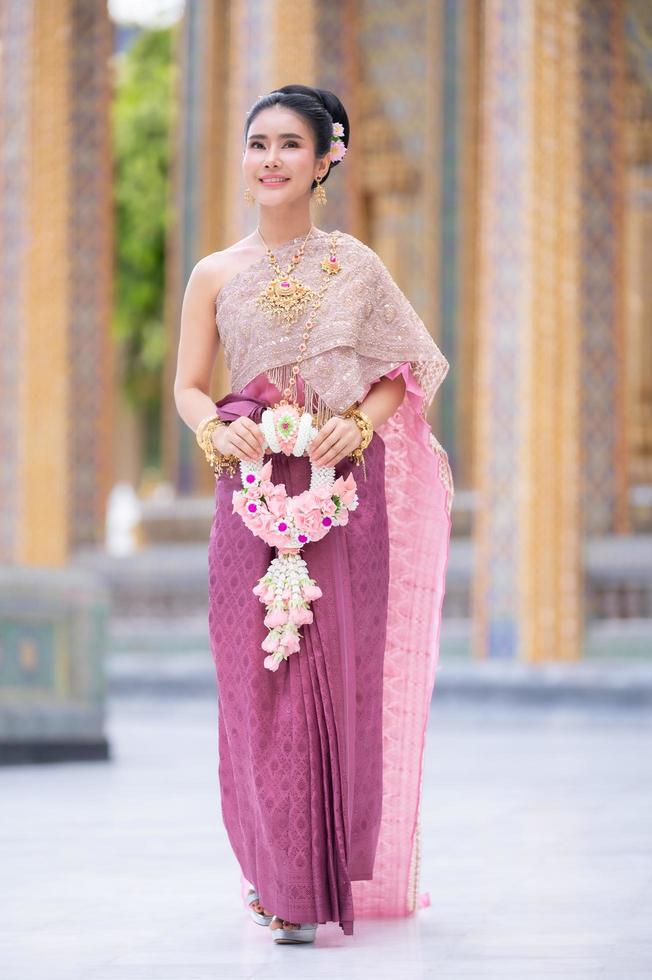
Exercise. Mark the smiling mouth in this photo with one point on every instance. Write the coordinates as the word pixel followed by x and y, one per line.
pixel 275 180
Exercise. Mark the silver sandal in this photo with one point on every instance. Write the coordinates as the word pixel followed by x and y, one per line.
pixel 262 920
pixel 304 934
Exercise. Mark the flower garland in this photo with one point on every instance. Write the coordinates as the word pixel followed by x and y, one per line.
pixel 288 523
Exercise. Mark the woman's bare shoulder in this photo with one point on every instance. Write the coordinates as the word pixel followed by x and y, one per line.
pixel 216 268
pixel 356 247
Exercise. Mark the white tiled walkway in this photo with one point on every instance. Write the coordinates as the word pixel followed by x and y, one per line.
pixel 537 852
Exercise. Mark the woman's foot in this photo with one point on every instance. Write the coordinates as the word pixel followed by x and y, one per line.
pixel 293 932
pixel 259 914
pixel 283 924
pixel 257 905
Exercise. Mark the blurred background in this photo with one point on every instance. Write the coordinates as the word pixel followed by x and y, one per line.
pixel 500 163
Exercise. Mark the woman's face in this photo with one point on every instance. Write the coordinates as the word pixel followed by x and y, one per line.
pixel 280 144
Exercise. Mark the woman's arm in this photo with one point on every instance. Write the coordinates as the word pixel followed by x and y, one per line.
pixel 383 399
pixel 198 347
pixel 338 437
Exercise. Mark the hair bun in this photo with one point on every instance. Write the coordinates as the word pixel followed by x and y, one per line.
pixel 330 102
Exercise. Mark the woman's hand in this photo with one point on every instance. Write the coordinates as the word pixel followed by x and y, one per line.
pixel 336 439
pixel 241 438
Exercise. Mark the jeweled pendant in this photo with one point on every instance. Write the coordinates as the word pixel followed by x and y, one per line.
pixel 331 265
pixel 285 298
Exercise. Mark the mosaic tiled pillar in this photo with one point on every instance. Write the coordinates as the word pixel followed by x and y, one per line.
pixel 602 295
pixel 504 320
pixel 638 343
pixel 15 75
pixel 55 359
pixel 537 405
pixel 638 250
pixel 55 272
pixel 459 210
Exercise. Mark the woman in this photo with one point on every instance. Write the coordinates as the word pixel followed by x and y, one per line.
pixel 320 756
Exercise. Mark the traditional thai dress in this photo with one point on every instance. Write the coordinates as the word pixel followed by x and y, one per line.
pixel 320 761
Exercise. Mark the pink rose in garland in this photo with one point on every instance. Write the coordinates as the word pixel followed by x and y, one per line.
pixel 309 515
pixel 345 488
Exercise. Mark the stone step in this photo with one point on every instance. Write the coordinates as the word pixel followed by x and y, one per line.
pixel 171 580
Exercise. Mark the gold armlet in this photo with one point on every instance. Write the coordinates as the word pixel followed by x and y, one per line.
pixel 366 427
pixel 219 462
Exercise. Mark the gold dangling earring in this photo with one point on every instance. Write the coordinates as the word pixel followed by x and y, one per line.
pixel 320 193
pixel 248 196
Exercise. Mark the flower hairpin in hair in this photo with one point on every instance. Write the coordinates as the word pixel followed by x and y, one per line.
pixel 338 146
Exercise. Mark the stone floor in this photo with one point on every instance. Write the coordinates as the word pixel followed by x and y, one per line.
pixel 537 854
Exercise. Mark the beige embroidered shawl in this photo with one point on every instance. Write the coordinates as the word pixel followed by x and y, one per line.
pixel 364 327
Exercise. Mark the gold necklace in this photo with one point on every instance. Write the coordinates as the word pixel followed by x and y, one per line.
pixel 285 297
pixel 330 266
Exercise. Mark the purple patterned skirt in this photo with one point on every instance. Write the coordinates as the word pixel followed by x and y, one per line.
pixel 300 748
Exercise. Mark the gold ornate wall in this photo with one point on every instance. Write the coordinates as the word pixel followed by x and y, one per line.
pixel 55 269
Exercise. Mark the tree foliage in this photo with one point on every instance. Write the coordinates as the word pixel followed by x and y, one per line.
pixel 141 119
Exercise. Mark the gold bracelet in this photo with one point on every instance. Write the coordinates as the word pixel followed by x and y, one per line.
pixel 219 462
pixel 199 431
pixel 366 427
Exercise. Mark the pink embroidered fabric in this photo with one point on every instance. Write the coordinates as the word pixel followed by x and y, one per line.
pixel 367 329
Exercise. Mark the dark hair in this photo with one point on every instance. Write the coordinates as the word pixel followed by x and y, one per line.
pixel 319 107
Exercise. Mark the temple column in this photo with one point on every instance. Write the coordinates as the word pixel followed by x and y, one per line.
pixel 638 257
pixel 55 268
pixel 56 364
pixel 601 123
pixel 549 422
pixel 458 227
